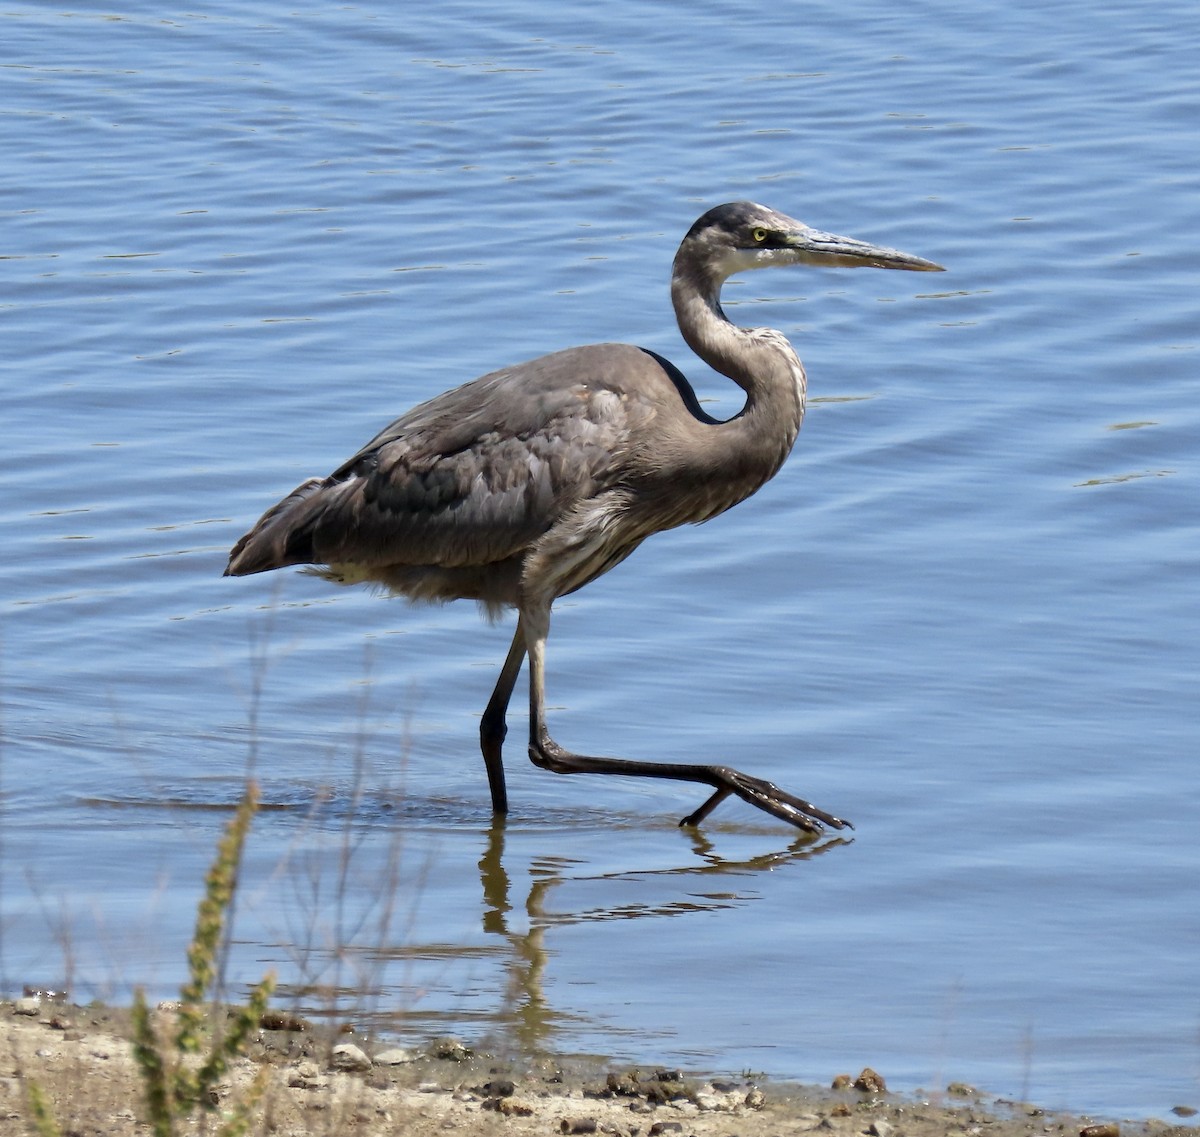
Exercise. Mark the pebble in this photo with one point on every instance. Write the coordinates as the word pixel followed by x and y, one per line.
pixel 395 1057
pixel 880 1129
pixel 1107 1129
pixel 451 1050
pixel 306 1076
pixel 508 1107
pixel 870 1082
pixel 578 1125
pixel 347 1056
pixel 624 1085
pixel 281 1020
pixel 29 1005
pixel 755 1098
pixel 722 1101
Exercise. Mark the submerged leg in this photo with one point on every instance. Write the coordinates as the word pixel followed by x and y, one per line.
pixel 546 753
pixel 493 728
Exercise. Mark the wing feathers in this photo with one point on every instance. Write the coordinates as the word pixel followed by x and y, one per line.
pixel 469 478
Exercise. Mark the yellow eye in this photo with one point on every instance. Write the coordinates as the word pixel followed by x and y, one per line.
pixel 760 235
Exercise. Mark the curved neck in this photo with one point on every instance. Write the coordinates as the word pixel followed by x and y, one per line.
pixel 759 360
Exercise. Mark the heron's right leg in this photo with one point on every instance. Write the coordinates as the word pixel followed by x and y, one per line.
pixel 724 781
pixel 493 728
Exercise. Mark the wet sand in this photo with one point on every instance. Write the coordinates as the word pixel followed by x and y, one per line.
pixel 82 1060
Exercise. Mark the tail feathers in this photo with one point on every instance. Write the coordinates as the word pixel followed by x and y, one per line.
pixel 282 536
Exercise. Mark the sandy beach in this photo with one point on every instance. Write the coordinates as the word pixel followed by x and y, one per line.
pixel 82 1060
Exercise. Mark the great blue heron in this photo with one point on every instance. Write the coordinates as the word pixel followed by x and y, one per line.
pixel 524 485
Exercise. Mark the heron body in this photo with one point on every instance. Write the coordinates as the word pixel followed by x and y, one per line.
pixel 529 482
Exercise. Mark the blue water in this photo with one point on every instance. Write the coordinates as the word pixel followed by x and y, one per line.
pixel 965 614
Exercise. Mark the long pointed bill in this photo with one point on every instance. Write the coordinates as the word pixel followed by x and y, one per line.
pixel 817 248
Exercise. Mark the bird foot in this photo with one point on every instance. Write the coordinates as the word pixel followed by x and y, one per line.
pixel 768 797
pixel 546 753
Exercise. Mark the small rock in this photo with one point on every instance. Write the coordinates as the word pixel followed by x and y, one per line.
pixel 870 1082
pixel 623 1085
pixel 306 1076
pixel 879 1129
pixel 450 1050
pixel 665 1127
pixel 29 1005
pixel 1183 1110
pixel 347 1056
pixel 665 1090
pixel 508 1107
pixel 841 1082
pixel 1107 1129
pixel 500 1088
pixel 396 1056
pixel 961 1090
pixel 282 1020
pixel 755 1098
pixel 578 1125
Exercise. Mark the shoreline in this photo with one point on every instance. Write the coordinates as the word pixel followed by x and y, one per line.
pixel 82 1060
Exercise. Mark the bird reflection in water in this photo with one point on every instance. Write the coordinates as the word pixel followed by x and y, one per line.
pixel 525 1011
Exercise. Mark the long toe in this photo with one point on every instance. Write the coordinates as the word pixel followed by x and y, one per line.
pixel 787 807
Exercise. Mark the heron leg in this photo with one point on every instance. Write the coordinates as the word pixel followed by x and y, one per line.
pixel 547 754
pixel 493 728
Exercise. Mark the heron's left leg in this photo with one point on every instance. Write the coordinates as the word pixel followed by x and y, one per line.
pixel 546 753
pixel 493 728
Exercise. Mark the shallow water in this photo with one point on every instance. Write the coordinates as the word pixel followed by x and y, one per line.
pixel 963 615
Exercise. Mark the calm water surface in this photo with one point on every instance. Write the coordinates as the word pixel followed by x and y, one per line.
pixel 964 615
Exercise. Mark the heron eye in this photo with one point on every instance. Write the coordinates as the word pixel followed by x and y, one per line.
pixel 760 235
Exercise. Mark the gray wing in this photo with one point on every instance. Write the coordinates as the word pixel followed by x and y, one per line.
pixel 474 475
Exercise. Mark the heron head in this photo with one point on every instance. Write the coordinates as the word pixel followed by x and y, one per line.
pixel 742 235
